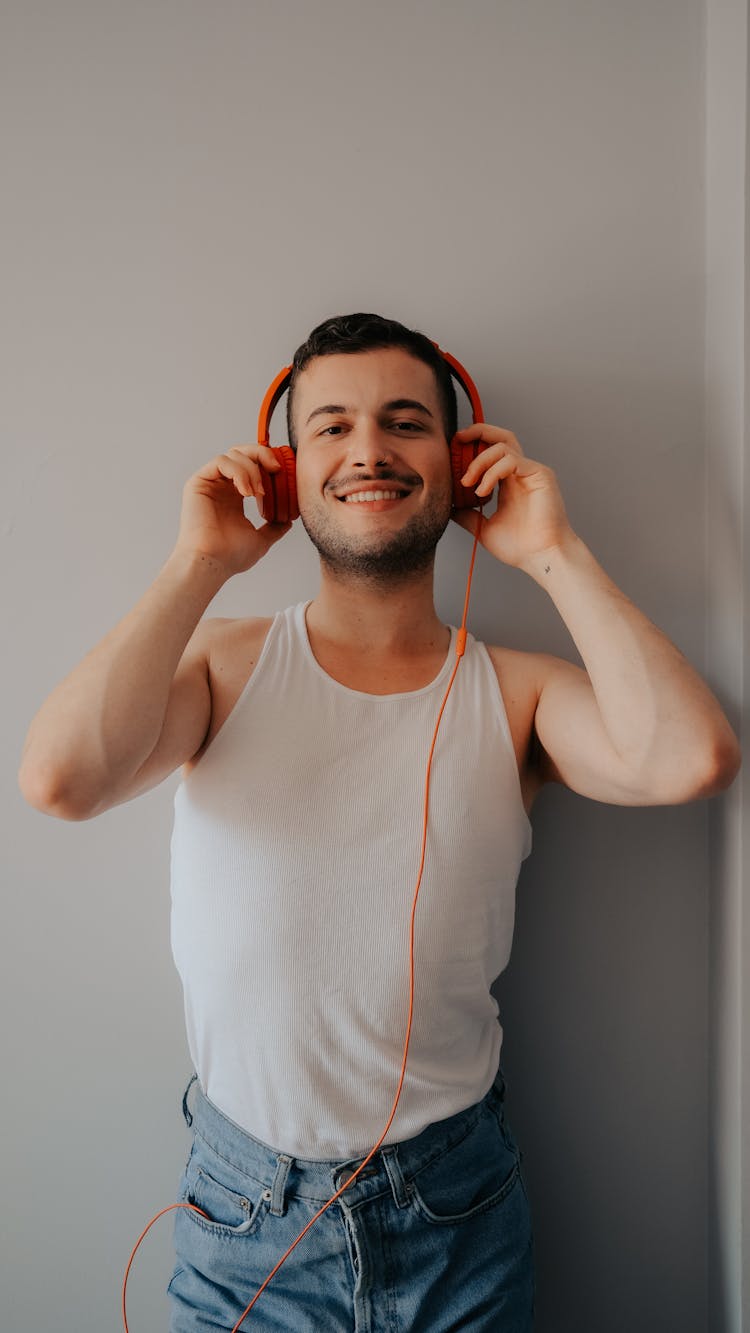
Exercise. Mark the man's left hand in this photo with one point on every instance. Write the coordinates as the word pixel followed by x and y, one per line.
pixel 530 516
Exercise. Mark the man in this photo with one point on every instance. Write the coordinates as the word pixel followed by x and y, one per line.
pixel 303 740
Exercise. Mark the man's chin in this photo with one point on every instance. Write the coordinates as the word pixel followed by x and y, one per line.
pixel 378 568
pixel 378 557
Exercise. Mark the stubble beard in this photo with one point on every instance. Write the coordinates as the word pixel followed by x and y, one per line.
pixel 383 559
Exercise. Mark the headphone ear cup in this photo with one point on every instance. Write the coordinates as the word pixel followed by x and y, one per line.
pixel 462 454
pixel 279 503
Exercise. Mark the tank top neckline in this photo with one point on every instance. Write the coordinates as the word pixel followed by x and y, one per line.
pixel 300 624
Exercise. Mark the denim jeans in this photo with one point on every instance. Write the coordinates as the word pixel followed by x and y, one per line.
pixel 434 1236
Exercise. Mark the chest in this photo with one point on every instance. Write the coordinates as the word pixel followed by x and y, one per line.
pixel 238 644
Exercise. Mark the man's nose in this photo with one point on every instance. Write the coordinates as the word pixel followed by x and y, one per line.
pixel 370 446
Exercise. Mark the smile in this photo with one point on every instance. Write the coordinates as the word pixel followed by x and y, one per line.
pixel 366 497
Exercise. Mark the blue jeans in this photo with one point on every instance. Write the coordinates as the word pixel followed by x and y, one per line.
pixel 434 1236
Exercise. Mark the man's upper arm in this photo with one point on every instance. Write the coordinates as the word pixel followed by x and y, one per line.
pixel 186 720
pixel 574 748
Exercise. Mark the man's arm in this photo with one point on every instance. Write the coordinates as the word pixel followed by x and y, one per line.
pixel 138 699
pixel 139 703
pixel 639 726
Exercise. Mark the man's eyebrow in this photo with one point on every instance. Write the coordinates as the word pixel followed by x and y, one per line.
pixel 393 405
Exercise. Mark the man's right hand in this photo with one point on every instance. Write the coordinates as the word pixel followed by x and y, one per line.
pixel 213 522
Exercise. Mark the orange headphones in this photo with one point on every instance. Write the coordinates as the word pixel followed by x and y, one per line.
pixel 279 504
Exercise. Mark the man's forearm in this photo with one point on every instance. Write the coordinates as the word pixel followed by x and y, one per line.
pixel 652 701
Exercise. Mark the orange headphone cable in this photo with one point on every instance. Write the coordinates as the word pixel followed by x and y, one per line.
pixel 460 649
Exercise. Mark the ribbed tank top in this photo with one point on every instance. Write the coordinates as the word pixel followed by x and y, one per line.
pixel 294 857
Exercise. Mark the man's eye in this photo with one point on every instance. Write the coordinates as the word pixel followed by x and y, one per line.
pixel 413 425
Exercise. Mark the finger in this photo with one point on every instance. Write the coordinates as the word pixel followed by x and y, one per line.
pixel 509 464
pixel 490 476
pixel 503 468
pixel 262 453
pixel 231 469
pixel 479 465
pixel 256 458
pixel 268 457
pixel 484 430
pixel 248 478
pixel 256 480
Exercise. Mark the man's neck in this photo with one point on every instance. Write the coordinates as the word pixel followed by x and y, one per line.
pixel 364 618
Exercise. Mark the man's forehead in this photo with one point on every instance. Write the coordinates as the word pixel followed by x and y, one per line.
pixel 348 377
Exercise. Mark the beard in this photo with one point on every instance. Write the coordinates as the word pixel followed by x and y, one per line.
pixel 379 558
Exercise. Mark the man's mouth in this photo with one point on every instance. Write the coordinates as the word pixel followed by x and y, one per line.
pixel 382 491
pixel 367 497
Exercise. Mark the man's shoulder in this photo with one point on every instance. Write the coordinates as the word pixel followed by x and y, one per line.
pixel 227 638
pixel 231 647
pixel 538 665
pixel 523 677
pixel 215 626
pixel 515 660
pixel 519 675
pixel 526 674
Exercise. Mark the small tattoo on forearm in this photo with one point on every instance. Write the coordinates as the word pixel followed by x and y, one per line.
pixel 546 569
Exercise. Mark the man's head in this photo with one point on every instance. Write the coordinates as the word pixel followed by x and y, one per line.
pixel 363 332
pixel 371 425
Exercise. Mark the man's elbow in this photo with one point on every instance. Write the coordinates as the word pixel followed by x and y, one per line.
pixel 723 769
pixel 47 796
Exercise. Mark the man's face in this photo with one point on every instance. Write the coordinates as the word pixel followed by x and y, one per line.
pixel 373 481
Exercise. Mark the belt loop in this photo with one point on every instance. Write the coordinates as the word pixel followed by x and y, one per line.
pixel 278 1198
pixel 185 1112
pixel 395 1175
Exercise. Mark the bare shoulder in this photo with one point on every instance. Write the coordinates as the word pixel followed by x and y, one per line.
pixel 231 647
pixel 522 676
pixel 227 639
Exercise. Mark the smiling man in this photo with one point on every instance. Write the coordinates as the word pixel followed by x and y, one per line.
pixel 407 482
pixel 303 739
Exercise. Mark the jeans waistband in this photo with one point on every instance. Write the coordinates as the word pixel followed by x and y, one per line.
pixel 392 1168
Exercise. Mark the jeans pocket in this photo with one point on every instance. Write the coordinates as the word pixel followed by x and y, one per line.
pixel 469 1178
pixel 229 1212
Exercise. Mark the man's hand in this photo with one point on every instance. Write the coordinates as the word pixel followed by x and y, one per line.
pixel 213 521
pixel 530 516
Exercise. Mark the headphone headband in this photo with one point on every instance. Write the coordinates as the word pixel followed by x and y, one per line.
pixel 280 384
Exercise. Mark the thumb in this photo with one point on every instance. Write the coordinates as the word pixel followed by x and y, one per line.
pixel 270 533
pixel 467 518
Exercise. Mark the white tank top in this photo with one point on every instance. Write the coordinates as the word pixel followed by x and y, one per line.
pixel 294 858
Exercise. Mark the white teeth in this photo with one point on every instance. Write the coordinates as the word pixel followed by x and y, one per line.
pixel 360 497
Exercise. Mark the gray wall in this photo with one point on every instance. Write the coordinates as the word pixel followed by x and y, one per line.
pixel 728 651
pixel 188 189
